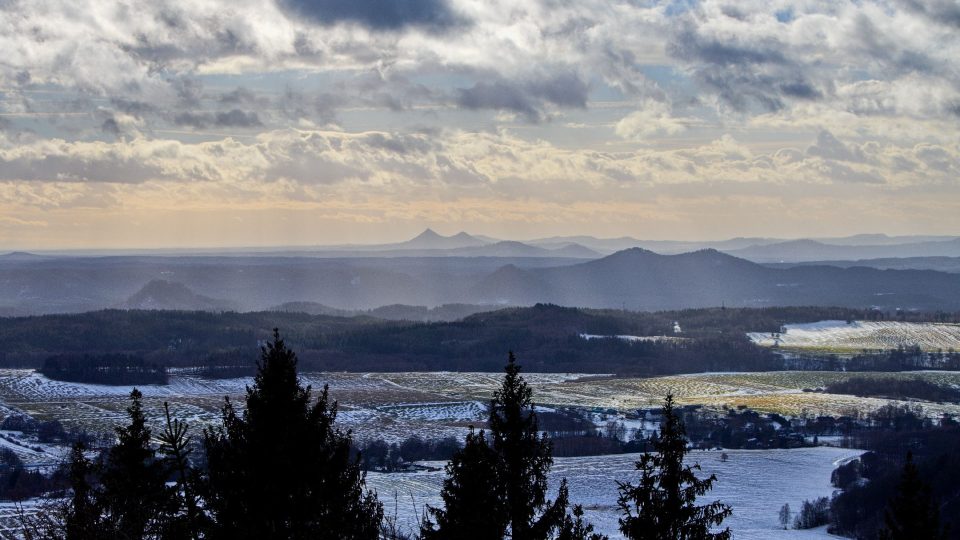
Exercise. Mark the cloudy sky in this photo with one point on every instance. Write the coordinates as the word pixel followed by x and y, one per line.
pixel 289 122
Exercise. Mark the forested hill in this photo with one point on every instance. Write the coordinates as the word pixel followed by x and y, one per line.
pixel 546 336
pixel 635 279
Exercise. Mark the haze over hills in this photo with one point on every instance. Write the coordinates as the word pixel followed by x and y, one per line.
pixel 940 264
pixel 633 278
pixel 166 295
pixel 431 244
pixel 812 250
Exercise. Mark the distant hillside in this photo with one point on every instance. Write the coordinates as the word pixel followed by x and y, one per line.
pixel 167 295
pixel 643 280
pixel 394 312
pixel 812 250
pixel 940 264
pixel 545 337
pixel 429 239
pixel 633 278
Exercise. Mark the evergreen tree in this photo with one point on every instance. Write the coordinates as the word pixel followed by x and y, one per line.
pixel 526 457
pixel 183 516
pixel 574 527
pixel 912 514
pixel 473 505
pixel 281 469
pixel 498 489
pixel 82 515
pixel 662 505
pixel 133 482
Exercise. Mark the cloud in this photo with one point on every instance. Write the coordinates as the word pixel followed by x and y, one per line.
pixel 392 15
pixel 829 147
pixel 946 12
pixel 232 118
pixel 652 119
pixel 527 98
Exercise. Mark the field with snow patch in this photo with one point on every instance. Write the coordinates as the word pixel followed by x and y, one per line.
pixel 842 337
pixel 756 483
pixel 394 406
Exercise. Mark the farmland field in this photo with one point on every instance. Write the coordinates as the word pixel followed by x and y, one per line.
pixel 394 406
pixel 856 336
pixel 775 477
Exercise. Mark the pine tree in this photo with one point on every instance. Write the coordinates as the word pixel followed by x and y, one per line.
pixel 497 489
pixel 183 517
pixel 526 457
pixel 133 490
pixel 662 505
pixel 911 514
pixel 472 484
pixel 574 527
pixel 281 469
pixel 82 515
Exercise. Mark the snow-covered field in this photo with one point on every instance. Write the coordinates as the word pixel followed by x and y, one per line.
pixel 394 406
pixel 756 483
pixel 855 336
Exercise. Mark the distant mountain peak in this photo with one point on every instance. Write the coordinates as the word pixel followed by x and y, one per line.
pixel 163 294
pixel 427 234
pixel 20 256
pixel 430 239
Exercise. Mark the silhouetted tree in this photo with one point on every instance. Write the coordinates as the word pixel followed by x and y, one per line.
pixel 281 469
pixel 813 514
pixel 911 514
pixel 574 527
pixel 183 516
pixel 784 515
pixel 133 481
pixel 662 505
pixel 525 459
pixel 82 515
pixel 497 489
pixel 474 507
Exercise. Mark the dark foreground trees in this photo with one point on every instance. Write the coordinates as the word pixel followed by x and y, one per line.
pixel 911 514
pixel 281 469
pixel 498 486
pixel 662 505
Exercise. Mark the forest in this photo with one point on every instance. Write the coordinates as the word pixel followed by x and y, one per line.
pixel 549 338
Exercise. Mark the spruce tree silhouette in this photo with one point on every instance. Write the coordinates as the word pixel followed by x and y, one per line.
pixel 473 505
pixel 912 514
pixel 281 469
pixel 183 517
pixel 132 481
pixel 525 458
pixel 82 515
pixel 497 489
pixel 662 505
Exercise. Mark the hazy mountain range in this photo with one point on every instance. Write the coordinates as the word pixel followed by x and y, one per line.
pixel 431 244
pixel 634 278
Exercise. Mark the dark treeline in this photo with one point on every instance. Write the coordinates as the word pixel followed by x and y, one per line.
pixel 226 344
pixel 17 482
pixel 902 438
pixel 899 359
pixel 895 388
pixel 378 455
pixel 283 469
pixel 118 369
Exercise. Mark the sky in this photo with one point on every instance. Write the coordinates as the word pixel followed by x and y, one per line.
pixel 204 123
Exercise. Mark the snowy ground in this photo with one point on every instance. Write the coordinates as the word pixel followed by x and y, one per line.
pixel 756 483
pixel 394 406
pixel 843 337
